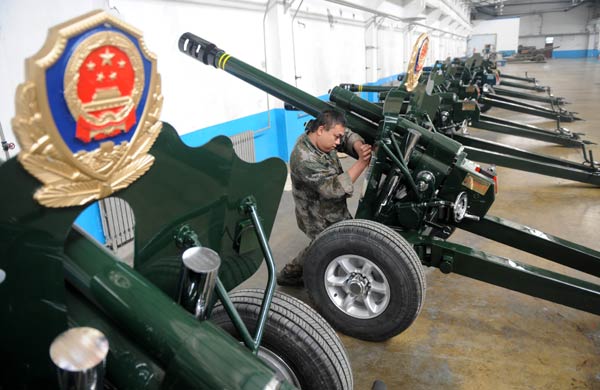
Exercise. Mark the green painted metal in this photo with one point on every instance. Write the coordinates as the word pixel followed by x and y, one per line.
pixel 412 185
pixel 528 96
pixel 247 206
pixel 501 148
pixel 507 273
pixel 523 104
pixel 199 187
pixel 341 96
pixel 533 241
pixel 479 149
pixel 148 317
pixel 365 88
pixel 536 88
pixel 250 205
pixel 272 85
pixel 560 136
pixel 491 153
pixel 513 77
pixel 525 108
pixel 126 363
pixel 475 71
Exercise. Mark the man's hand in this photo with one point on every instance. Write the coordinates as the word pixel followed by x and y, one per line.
pixel 363 151
pixel 364 157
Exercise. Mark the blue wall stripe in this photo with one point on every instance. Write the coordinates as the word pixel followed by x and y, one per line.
pixel 89 220
pixel 570 53
pixel 507 53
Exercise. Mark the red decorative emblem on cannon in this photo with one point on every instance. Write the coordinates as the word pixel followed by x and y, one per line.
pixel 105 87
pixel 421 55
pixel 88 113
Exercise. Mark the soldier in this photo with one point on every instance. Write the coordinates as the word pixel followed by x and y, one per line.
pixel 319 184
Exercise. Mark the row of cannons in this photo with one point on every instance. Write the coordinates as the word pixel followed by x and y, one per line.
pixel 204 217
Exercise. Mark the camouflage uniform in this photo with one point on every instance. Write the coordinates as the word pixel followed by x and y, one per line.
pixel 319 184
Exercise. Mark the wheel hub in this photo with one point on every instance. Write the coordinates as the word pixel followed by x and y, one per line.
pixel 357 286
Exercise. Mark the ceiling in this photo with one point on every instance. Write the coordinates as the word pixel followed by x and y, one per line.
pixel 515 8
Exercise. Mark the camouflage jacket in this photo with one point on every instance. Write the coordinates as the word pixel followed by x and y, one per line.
pixel 319 184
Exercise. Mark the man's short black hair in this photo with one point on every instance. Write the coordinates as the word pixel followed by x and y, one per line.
pixel 327 119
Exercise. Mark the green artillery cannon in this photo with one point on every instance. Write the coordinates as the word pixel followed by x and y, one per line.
pixel 449 87
pixel 525 78
pixel 202 220
pixel 482 73
pixel 550 99
pixel 478 68
pixel 365 275
pixel 488 66
pixel 449 115
pixel 475 72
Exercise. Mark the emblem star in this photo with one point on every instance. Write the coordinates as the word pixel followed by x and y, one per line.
pixel 107 57
pixel 121 63
pixel 113 75
pixel 100 76
pixel 90 65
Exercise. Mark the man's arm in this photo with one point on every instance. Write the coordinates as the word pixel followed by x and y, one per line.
pixel 364 153
pixel 323 179
pixel 348 142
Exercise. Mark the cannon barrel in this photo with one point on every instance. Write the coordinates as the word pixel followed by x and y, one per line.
pixel 192 353
pixel 210 54
pixel 345 99
pixel 366 88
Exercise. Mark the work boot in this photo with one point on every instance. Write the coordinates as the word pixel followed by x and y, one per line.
pixel 290 275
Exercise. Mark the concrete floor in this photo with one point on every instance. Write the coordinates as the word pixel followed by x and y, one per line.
pixel 472 335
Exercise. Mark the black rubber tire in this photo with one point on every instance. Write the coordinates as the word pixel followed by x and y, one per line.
pixel 297 334
pixel 389 251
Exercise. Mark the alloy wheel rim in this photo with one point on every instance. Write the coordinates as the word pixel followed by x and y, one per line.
pixel 357 286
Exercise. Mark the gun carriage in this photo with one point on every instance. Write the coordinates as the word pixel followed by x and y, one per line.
pixel 365 275
pixel 202 220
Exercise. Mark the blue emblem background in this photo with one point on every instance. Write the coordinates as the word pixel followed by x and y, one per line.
pixel 65 123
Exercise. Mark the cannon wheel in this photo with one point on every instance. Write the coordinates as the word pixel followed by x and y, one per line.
pixel 365 279
pixel 297 342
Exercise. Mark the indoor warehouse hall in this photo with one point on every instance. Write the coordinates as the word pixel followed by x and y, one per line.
pixel 300 194
pixel 475 335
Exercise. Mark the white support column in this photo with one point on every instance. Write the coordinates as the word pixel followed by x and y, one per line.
pixel 278 35
pixel 372 50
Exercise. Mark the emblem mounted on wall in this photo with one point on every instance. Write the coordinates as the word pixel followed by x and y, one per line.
pixel 89 111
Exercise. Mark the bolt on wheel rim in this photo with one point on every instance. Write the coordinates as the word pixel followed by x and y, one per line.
pixel 357 286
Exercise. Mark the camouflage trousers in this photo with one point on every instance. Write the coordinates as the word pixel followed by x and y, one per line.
pixel 299 259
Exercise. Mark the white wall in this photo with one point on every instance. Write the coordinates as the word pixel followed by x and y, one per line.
pixel 194 94
pixel 323 42
pixel 506 30
pixel 391 52
pixel 567 28
pixel 24 25
pixel 328 53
